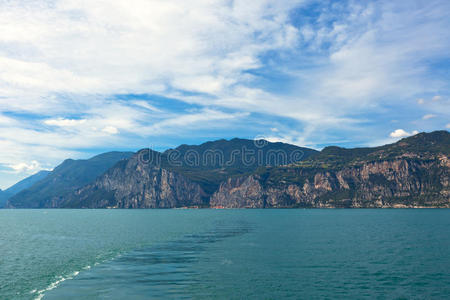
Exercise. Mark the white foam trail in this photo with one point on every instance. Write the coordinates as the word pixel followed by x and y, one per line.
pixel 53 285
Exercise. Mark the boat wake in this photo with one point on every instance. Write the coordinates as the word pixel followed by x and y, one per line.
pixel 160 271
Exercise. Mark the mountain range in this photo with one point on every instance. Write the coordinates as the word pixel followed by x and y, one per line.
pixel 240 173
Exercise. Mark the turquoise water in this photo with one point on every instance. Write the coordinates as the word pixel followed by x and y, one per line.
pixel 227 254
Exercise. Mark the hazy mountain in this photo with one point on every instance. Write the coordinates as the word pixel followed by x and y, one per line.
pixel 4 196
pixel 65 178
pixel 21 185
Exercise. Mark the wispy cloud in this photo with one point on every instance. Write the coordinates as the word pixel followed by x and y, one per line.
pixel 428 116
pixel 190 121
pixel 31 168
pixel 61 122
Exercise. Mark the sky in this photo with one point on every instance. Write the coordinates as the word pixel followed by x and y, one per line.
pixel 82 77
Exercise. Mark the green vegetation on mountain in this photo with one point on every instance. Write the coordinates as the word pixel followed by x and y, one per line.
pixel 411 172
pixel 420 146
pixel 213 162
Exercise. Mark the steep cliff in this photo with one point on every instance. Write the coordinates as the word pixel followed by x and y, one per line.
pixel 397 183
pixel 137 183
pixel 411 173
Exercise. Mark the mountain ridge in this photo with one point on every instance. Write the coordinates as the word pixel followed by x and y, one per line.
pixel 413 172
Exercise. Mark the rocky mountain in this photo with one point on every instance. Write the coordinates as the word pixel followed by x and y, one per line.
pixel 414 172
pixel 21 185
pixel 64 179
pixel 211 163
pixel 185 176
pixel 237 154
pixel 135 183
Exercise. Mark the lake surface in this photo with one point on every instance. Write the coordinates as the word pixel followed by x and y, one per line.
pixel 226 254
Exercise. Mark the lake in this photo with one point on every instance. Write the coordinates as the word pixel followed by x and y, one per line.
pixel 225 254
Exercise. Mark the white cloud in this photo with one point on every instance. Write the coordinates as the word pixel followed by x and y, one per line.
pixel 447 126
pixel 290 138
pixel 4 120
pixel 208 118
pixel 146 105
pixel 106 47
pixel 37 76
pixel 400 133
pixel 428 116
pixel 436 98
pixel 420 101
pixel 110 130
pixel 144 46
pixel 61 122
pixel 31 167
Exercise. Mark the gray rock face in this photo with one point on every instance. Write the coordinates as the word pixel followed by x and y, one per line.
pixel 398 183
pixel 241 192
pixel 134 184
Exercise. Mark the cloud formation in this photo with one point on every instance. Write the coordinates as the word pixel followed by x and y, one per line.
pixel 400 133
pixel 79 76
pixel 31 168
pixel 428 116
pixel 61 122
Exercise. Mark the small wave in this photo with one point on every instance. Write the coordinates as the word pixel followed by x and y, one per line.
pixel 41 293
pixel 226 262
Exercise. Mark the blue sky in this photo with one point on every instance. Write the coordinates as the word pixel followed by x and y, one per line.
pixel 81 77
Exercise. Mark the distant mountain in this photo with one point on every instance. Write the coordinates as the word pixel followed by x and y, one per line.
pixel 4 196
pixel 413 172
pixel 21 185
pixel 65 178
pixel 27 182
